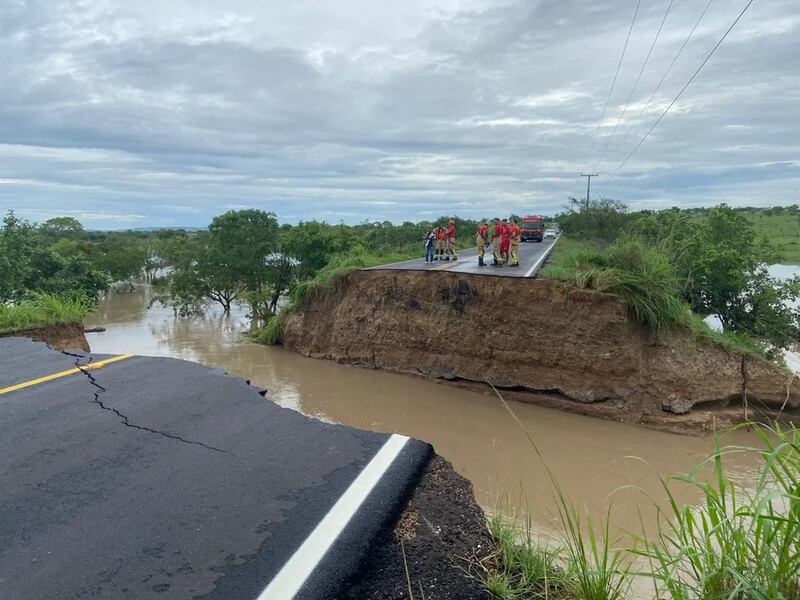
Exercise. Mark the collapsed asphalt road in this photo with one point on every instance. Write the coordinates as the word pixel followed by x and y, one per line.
pixel 531 258
pixel 159 478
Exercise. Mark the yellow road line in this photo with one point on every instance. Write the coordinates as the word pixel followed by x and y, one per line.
pixel 447 265
pixel 89 367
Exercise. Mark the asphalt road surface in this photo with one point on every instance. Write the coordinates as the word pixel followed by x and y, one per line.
pixel 139 478
pixel 532 256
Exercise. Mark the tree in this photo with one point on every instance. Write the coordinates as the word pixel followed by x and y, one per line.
pixel 121 256
pixel 219 266
pixel 605 219
pixel 28 263
pixel 62 227
pixel 721 266
pixel 312 244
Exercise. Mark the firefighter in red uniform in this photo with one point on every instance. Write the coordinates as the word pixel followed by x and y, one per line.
pixel 505 243
pixel 497 239
pixel 451 241
pixel 440 242
pixel 481 241
pixel 515 238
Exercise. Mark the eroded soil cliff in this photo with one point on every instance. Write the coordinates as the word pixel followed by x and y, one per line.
pixel 539 341
pixel 67 336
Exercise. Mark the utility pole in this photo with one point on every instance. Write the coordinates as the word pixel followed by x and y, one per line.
pixel 588 186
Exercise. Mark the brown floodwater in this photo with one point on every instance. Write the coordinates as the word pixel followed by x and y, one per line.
pixel 597 463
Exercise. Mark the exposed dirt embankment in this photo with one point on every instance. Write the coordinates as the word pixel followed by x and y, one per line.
pixel 67 336
pixel 539 340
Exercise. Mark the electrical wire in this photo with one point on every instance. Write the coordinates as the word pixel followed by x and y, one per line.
pixel 614 82
pixel 663 78
pixel 683 89
pixel 635 86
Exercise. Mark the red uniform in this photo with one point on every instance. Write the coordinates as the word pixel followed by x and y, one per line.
pixel 451 233
pixel 505 244
pixel 483 231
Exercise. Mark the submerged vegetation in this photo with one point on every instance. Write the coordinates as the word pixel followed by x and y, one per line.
pixel 740 543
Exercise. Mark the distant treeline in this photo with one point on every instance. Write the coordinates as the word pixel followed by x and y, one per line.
pixel 608 219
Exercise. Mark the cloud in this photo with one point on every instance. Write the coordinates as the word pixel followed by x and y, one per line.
pixel 154 113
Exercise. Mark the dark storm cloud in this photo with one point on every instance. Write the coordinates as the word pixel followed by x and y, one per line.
pixel 152 113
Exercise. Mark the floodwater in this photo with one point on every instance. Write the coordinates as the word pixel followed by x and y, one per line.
pixel 597 463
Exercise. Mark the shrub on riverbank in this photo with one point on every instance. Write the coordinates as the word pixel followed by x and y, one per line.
pixel 44 310
pixel 738 544
pixel 639 274
pixel 646 279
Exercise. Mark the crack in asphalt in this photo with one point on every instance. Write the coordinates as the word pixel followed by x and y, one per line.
pixel 126 421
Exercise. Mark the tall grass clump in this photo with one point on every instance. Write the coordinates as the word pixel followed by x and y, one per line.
pixel 272 331
pixel 638 273
pixel 585 567
pixel 739 544
pixel 520 566
pixel 595 569
pixel 42 310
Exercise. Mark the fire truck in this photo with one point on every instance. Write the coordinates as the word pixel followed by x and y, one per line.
pixel 532 228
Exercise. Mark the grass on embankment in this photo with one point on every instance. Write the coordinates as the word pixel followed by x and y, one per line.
pixel 737 544
pixel 43 310
pixel 645 281
pixel 338 266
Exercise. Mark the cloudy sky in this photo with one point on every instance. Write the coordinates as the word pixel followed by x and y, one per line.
pixel 167 112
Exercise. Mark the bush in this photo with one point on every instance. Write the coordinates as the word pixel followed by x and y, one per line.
pixel 641 275
pixel 42 310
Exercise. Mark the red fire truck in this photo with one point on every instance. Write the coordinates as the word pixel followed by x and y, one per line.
pixel 532 228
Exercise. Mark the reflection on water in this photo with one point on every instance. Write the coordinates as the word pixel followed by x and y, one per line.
pixel 596 462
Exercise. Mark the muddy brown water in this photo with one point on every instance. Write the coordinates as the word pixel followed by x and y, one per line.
pixel 597 463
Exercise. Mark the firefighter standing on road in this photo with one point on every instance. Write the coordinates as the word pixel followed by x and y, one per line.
pixel 440 236
pixel 480 242
pixel 451 241
pixel 505 243
pixel 497 238
pixel 515 238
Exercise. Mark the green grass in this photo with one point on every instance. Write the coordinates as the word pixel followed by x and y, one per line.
pixel 781 229
pixel 337 267
pixel 584 567
pixel 522 567
pixel 43 310
pixel 564 254
pixel 739 544
pixel 639 274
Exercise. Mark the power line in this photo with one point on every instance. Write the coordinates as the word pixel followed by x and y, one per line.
pixel 663 78
pixel 635 84
pixel 683 89
pixel 614 82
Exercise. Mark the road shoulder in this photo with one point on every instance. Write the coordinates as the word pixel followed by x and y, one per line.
pixel 439 537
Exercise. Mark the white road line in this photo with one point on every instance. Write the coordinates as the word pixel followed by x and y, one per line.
pixel 301 565
pixel 542 258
